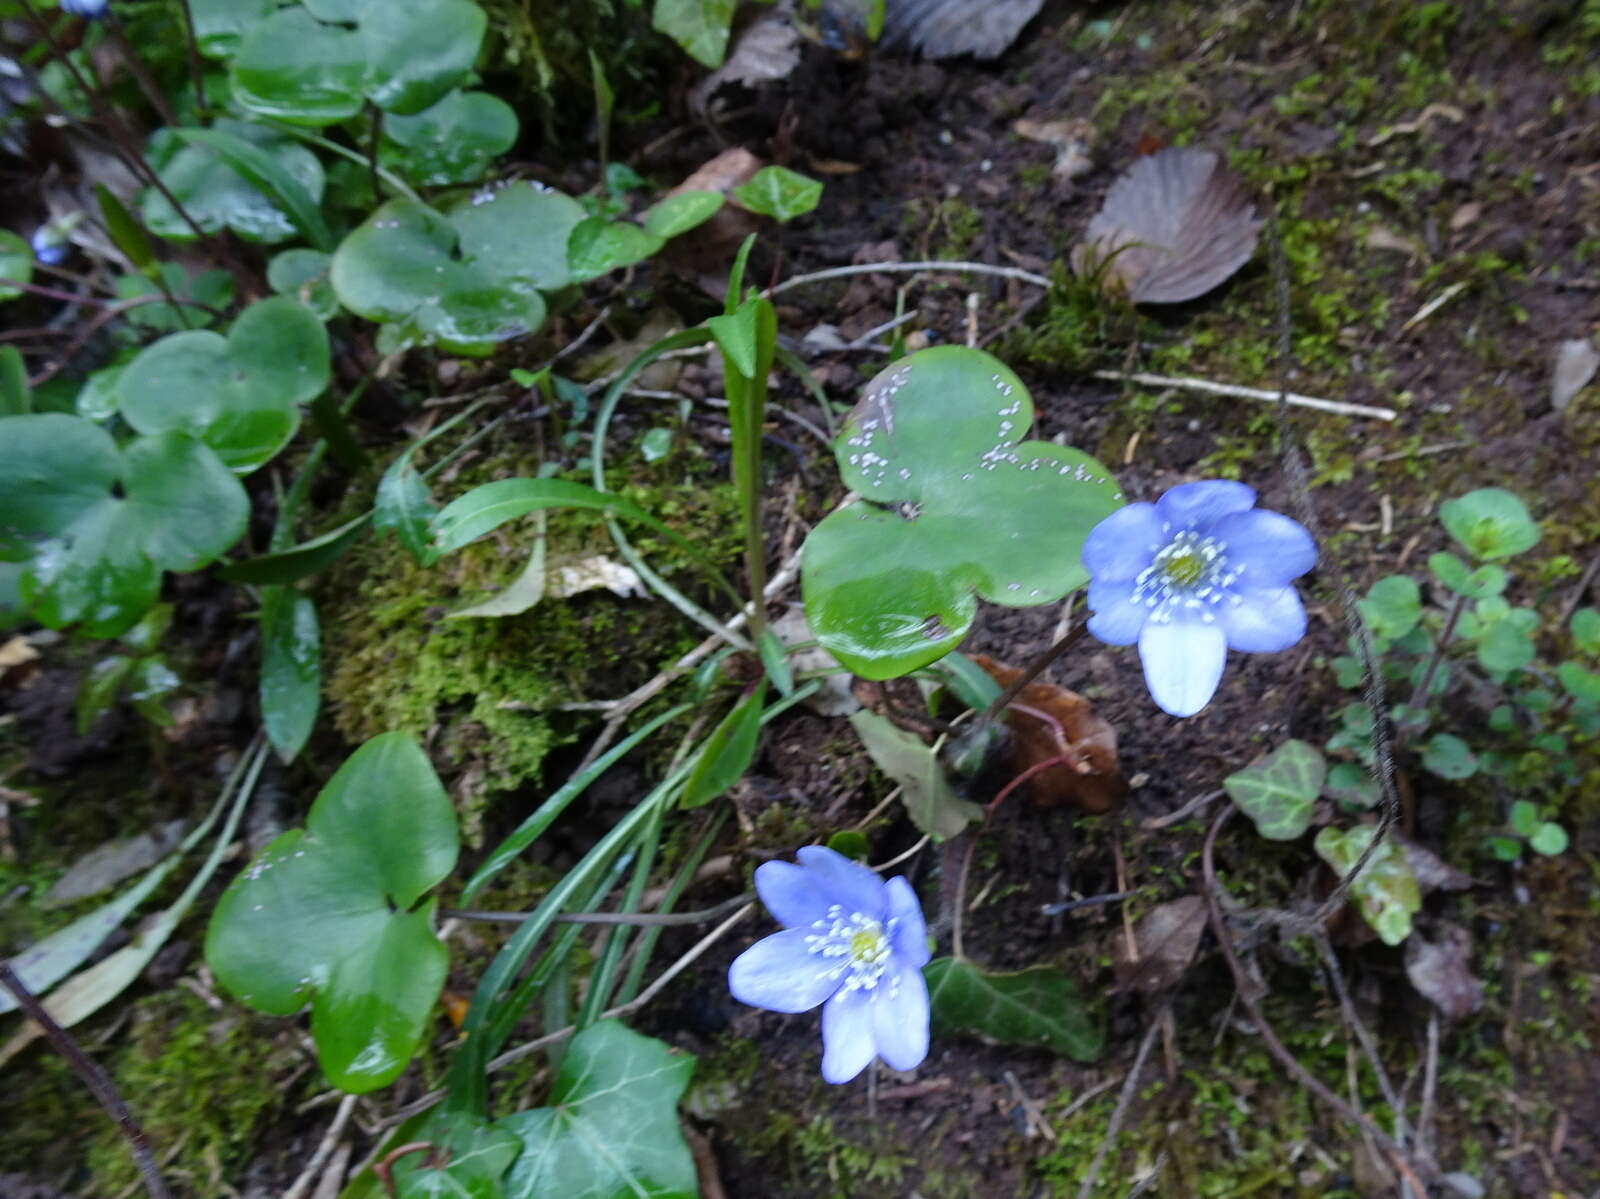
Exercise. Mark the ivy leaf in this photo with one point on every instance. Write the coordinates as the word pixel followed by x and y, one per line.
pixel 611 1129
pixel 699 26
pixel 94 525
pixel 1038 1006
pixel 681 212
pixel 326 914
pixel 956 507
pixel 452 142
pixel 239 394
pixel 598 246
pixel 1278 790
pixel 1491 523
pixel 779 193
pixel 472 1157
pixel 930 801
pixel 1386 889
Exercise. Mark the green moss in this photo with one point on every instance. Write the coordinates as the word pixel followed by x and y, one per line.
pixel 945 229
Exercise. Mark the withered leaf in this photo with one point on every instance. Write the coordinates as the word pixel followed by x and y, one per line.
pixel 1172 227
pixel 1439 971
pixel 768 49
pixel 1433 872
pixel 1575 364
pixel 951 28
pixel 1036 741
pixel 1167 937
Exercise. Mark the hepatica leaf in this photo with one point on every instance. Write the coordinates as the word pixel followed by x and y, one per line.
pixel 452 142
pixel 215 195
pixel 402 55
pixel 330 914
pixel 1278 790
pixel 1037 1006
pixel 956 506
pixel 465 279
pixel 612 1125
pixel 239 394
pixel 94 525
pixel 1386 889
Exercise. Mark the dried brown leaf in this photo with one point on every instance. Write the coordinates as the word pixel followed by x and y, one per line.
pixel 951 28
pixel 1440 971
pixel 768 49
pixel 1035 741
pixel 1167 937
pixel 1172 227
pixel 1433 872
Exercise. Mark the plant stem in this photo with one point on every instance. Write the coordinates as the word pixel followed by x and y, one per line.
pixel 1032 671
pixel 1419 697
pixel 333 147
pixel 141 75
pixel 197 71
pixel 96 1079
pixel 372 148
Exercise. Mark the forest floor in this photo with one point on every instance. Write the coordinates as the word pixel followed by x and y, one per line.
pixel 1435 174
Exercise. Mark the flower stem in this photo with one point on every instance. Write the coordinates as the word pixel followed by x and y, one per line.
pixel 1419 697
pixel 1032 671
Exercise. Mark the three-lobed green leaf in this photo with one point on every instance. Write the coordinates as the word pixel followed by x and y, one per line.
pixel 1386 890
pixel 1279 790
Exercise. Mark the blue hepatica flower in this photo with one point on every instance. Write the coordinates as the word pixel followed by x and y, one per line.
pixel 49 244
pixel 85 8
pixel 852 943
pixel 1191 576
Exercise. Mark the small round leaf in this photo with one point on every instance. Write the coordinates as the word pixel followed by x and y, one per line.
pixel 1490 523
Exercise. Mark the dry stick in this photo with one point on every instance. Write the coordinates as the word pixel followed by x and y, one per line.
pixel 1120 1112
pixel 1154 823
pixel 319 1159
pixel 878 268
pixel 1246 991
pixel 1576 598
pixel 1150 1178
pixel 1368 1046
pixel 561 1034
pixel 958 903
pixel 1419 697
pixel 1248 393
pixel 96 1079
pixel 1430 1080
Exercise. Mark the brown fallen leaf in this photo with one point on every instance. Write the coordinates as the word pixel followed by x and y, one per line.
pixel 715 240
pixel 1172 227
pixel 767 49
pixel 1166 937
pixel 1072 137
pixel 1037 741
pixel 951 28
pixel 1433 872
pixel 1440 971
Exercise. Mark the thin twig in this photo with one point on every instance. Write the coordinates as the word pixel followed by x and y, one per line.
pixel 1582 585
pixel 1149 1180
pixel 319 1159
pixel 97 1080
pixel 1368 1046
pixel 1248 393
pixel 876 268
pixel 1120 1112
pixel 1430 1081
pixel 1155 823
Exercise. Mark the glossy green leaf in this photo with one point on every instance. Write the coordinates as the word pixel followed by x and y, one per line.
pixel 409 267
pixel 126 233
pixel 1278 790
pixel 302 275
pixel 1392 607
pixel 519 232
pixel 486 508
pixel 728 752
pixel 15 397
pixel 298 562
pixel 1586 630
pixel 96 525
pixel 1490 523
pixel 403 55
pixel 1038 1007
pixel 452 142
pixel 597 246
pixel 214 289
pixel 220 24
pixel 775 661
pixel 469 1160
pixel 280 170
pixel 16 263
pixel 98 689
pixel 291 668
pixel 326 914
pixel 930 801
pixel 1386 890
pixel 737 333
pixel 611 1129
pixel 405 507
pixel 240 394
pixel 1449 757
pixel 699 26
pixel 680 213
pixel 956 506
pixel 779 193
pixel 851 843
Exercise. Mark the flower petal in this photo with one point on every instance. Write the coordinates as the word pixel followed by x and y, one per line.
pixel 1267 548
pixel 790 893
pixel 1183 662
pixel 849 884
pixel 1116 619
pixel 1196 505
pixel 908 932
pixel 847 1044
pixel 1264 621
pixel 900 1016
pixel 781 974
pixel 1121 545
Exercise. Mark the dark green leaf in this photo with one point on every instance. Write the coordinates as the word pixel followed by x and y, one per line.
pixel 15 397
pixel 302 275
pixel 307 558
pixel 597 246
pixel 728 752
pixel 468 1161
pixel 220 24
pixel 775 660
pixel 1038 1006
pixel 98 690
pixel 1586 630
pixel 127 234
pixel 1279 790
pixel 1351 784
pixel 16 263
pixel 611 1129
pixel 850 843
pixel 282 171
pixel 291 668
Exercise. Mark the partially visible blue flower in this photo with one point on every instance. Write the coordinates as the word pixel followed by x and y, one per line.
pixel 49 244
pixel 92 9
pixel 852 943
pixel 1191 576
